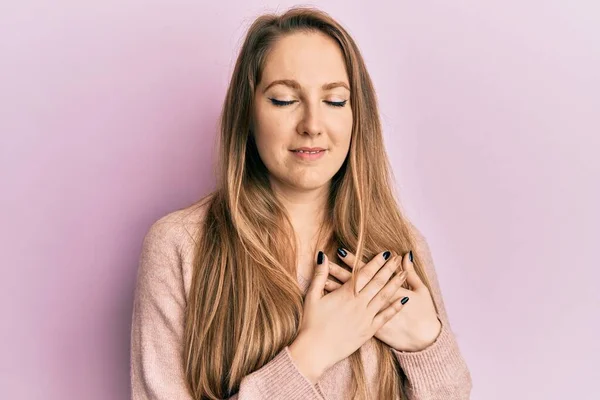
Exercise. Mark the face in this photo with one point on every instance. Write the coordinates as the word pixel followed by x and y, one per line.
pixel 303 100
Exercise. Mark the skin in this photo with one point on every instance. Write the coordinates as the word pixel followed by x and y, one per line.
pixel 312 60
pixel 417 326
pixel 309 117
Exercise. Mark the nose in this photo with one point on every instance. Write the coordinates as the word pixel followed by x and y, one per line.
pixel 310 123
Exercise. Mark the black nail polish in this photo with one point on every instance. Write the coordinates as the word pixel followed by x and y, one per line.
pixel 411 256
pixel 386 254
pixel 320 258
pixel 404 300
pixel 342 252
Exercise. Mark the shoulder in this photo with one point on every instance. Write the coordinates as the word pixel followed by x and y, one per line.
pixel 419 239
pixel 166 259
pixel 174 234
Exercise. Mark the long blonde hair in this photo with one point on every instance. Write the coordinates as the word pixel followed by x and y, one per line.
pixel 245 304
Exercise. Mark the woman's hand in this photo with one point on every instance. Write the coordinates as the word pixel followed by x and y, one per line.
pixel 335 325
pixel 418 325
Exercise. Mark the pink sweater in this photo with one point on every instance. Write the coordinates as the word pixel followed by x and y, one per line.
pixel 163 284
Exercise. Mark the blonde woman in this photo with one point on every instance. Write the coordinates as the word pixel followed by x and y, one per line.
pixel 298 277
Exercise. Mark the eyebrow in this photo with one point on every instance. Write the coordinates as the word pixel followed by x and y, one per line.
pixel 295 85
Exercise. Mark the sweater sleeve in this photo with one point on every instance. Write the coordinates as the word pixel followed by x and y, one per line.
pixel 439 371
pixel 157 370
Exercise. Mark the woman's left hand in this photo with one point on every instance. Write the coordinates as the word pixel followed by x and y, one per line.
pixel 417 326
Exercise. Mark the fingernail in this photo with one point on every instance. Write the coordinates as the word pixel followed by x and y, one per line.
pixel 404 300
pixel 320 257
pixel 410 256
pixel 386 254
pixel 342 252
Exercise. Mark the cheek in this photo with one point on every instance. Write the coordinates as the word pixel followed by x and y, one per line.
pixel 271 144
pixel 341 131
pixel 267 145
pixel 265 129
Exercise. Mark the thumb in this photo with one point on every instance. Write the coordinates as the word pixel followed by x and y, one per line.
pixel 317 286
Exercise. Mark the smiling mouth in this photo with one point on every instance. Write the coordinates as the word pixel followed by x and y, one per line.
pixel 308 156
pixel 308 152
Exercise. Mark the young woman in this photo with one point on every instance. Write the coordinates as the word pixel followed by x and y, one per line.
pixel 299 277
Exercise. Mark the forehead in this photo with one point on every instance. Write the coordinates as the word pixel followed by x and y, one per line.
pixel 311 58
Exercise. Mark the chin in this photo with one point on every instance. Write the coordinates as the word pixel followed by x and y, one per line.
pixel 301 180
pixel 312 185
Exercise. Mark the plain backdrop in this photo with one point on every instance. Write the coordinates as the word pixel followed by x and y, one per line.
pixel 108 115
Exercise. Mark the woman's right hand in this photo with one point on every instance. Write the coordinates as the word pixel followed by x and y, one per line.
pixel 336 324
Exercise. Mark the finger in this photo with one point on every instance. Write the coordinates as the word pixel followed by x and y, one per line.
pixel 400 293
pixel 338 272
pixel 348 258
pixel 380 279
pixel 367 271
pixel 413 278
pixel 385 295
pixel 388 313
pixel 317 285
pixel 330 285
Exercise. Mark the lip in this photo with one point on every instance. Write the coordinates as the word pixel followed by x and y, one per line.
pixel 309 148
pixel 308 156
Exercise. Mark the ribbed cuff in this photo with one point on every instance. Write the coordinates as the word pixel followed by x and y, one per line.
pixel 437 368
pixel 281 379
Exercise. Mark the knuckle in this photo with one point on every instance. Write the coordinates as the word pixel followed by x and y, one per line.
pixel 336 269
pixel 386 296
pixel 380 280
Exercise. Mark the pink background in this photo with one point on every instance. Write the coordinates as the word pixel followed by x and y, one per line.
pixel 491 114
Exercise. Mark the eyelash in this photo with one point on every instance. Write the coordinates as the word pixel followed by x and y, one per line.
pixel 280 103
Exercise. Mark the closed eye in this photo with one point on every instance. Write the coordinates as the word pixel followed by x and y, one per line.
pixel 337 103
pixel 282 103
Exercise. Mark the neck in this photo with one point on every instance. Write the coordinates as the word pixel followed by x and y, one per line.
pixel 305 208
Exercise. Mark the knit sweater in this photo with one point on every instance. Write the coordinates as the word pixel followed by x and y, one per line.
pixel 164 275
